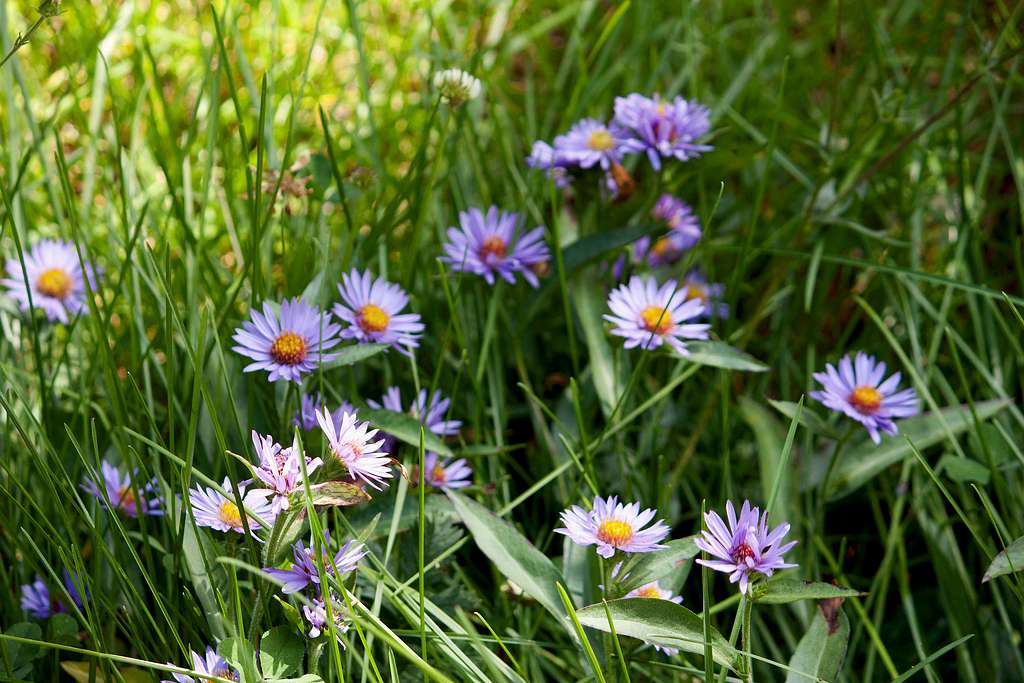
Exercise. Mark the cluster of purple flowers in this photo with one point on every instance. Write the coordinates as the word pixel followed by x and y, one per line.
pixel 39 603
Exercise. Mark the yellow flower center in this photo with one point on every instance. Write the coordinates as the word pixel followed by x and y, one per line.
pixel 695 290
pixel 600 140
pixel 288 349
pixel 437 474
pixel 614 532
pixel 656 319
pixel 372 318
pixel 230 514
pixel 493 246
pixel 663 246
pixel 125 498
pixel 866 400
pixel 648 592
pixel 54 282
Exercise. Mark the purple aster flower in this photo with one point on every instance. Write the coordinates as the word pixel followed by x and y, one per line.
pixel 613 526
pixel 444 475
pixel 311 403
pixel 350 444
pixel 217 511
pixel 304 570
pixel 316 616
pixel 710 294
pixel 857 390
pixel 543 157
pixel 280 469
pixel 430 413
pixel 71 584
pixel 648 316
pixel 588 143
pixel 289 345
pixel 35 599
pixel 661 128
pixel 654 591
pixel 745 546
pixel 212 664
pixel 489 244
pixel 683 234
pixel 372 310
pixel 118 490
pixel 55 280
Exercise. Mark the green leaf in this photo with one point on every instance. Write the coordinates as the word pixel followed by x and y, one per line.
pixel 660 622
pixel 861 463
pixel 589 307
pixel 790 590
pixel 820 653
pixel 207 584
pixel 62 628
pixel 239 654
pixel 808 418
pixel 405 428
pixel 512 554
pixel 720 355
pixel 20 655
pixel 593 247
pixel 771 440
pixel 1010 559
pixel 352 354
pixel 332 494
pixel 281 652
pixel 669 567
pixel 79 671
pixel 963 470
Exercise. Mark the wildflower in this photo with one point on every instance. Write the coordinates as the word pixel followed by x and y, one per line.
pixel 444 475
pixel 613 526
pixel 217 511
pixel 857 390
pixel 280 469
pixel 212 664
pixel 710 294
pixel 588 143
pixel 350 443
pixel 745 546
pixel 430 412
pixel 488 244
pixel 661 128
pixel 683 234
pixel 310 403
pixel 371 309
pixel 117 489
pixel 316 615
pixel 53 277
pixel 304 569
pixel 36 601
pixel 648 316
pixel 456 86
pixel 656 592
pixel 543 157
pixel 289 345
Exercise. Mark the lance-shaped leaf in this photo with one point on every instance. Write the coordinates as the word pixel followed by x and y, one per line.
pixel 669 567
pixel 820 653
pixel 352 354
pixel 720 355
pixel 660 622
pixel 404 428
pixel 807 418
pixel 331 494
pixel 790 590
pixel 589 307
pixel 1010 559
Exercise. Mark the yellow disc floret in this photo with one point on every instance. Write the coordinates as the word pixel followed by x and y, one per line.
pixel 229 513
pixel 615 532
pixel 373 318
pixel 656 319
pixel 600 140
pixel 288 349
pixel 54 282
pixel 866 400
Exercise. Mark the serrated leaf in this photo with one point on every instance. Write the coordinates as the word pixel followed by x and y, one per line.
pixel 513 555
pixel 669 566
pixel 589 308
pixel 281 652
pixel 404 428
pixel 331 494
pixel 791 590
pixel 863 462
pixel 718 354
pixel 660 622
pixel 820 653
pixel 352 354
pixel 1009 560
pixel 808 418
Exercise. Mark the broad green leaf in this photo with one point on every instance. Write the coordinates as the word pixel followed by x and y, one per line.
pixel 352 354
pixel 512 554
pixel 820 653
pixel 771 439
pixel 964 470
pixel 332 494
pixel 1010 559
pixel 240 655
pixel 589 308
pixel 307 678
pixel 720 355
pixel 405 428
pixel 808 418
pixel 790 590
pixel 79 671
pixel 62 628
pixel 669 567
pixel 863 462
pixel 660 622
pixel 207 584
pixel 593 247
pixel 20 655
pixel 281 652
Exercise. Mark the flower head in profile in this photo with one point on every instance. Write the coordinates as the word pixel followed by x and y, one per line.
pixel 55 280
pixel 371 308
pixel 316 616
pixel 36 601
pixel 432 412
pixel 858 391
pixel 215 510
pixel 709 293
pixel 683 233
pixel 456 86
pixel 280 469
pixel 288 345
pixel 613 526
pixel 489 244
pixel 543 157
pixel 654 591
pixel 118 490
pixel 648 316
pixel 661 129
pixel 303 570
pixel 745 546
pixel 443 474
pixel 588 143
pixel 305 418
pixel 210 664
pixel 351 444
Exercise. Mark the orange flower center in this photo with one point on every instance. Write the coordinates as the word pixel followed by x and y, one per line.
pixel 437 474
pixel 288 349
pixel 615 532
pixel 696 291
pixel 372 318
pixel 600 140
pixel 656 319
pixel 648 592
pixel 866 400
pixel 230 514
pixel 125 498
pixel 493 246
pixel 663 246
pixel 54 282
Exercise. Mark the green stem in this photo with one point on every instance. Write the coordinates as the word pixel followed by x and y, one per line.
pixel 748 609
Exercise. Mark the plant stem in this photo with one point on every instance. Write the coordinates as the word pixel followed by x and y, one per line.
pixel 748 609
